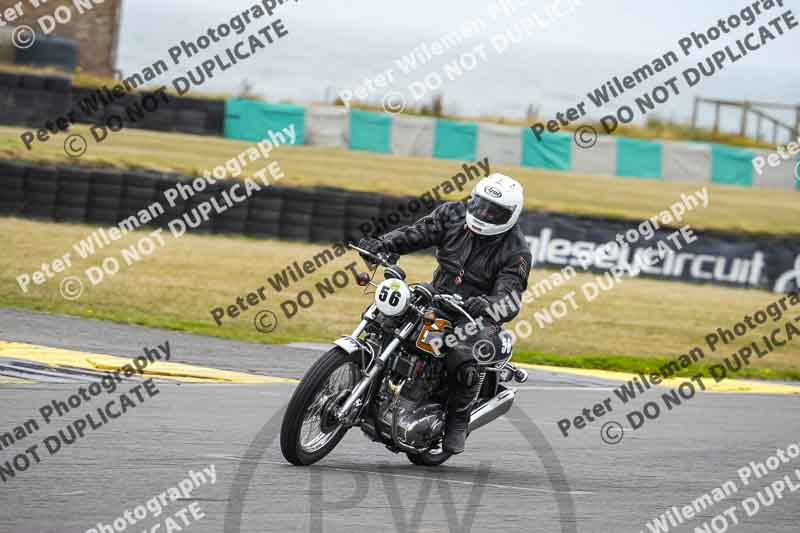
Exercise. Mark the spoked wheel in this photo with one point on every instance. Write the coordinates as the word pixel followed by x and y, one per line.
pixel 310 430
pixel 433 457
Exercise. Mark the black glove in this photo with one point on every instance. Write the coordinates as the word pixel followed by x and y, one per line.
pixel 476 306
pixel 373 246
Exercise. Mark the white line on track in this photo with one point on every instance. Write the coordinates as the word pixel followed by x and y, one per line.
pixel 535 387
pixel 74 493
pixel 407 476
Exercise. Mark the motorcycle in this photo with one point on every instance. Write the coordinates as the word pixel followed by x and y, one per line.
pixel 389 376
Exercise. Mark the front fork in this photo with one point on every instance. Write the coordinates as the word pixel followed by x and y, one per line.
pixel 375 371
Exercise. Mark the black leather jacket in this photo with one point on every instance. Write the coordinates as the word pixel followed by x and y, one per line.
pixel 494 267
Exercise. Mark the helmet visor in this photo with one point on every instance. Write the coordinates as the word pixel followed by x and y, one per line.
pixel 488 211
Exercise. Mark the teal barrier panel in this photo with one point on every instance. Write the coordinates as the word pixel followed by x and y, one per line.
pixel 731 166
pixel 250 120
pixel 554 151
pixel 639 159
pixel 797 175
pixel 370 131
pixel 455 140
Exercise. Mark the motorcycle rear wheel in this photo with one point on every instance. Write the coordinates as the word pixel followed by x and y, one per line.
pixel 308 431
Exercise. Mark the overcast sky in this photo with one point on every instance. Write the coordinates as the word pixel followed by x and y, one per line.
pixel 335 44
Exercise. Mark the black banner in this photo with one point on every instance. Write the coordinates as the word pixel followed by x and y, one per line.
pixel 718 258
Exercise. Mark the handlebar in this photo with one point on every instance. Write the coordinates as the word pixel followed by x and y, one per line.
pixel 455 302
pixel 385 260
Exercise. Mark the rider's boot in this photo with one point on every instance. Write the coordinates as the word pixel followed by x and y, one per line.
pixel 463 388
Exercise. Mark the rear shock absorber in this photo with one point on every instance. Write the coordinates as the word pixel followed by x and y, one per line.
pixel 481 377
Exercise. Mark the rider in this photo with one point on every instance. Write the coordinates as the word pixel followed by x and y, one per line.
pixel 484 258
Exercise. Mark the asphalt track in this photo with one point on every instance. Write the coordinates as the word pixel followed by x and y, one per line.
pixel 519 473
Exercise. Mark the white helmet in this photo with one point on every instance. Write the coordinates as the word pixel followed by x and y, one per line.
pixel 494 205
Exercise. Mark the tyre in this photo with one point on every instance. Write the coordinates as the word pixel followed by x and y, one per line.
pixel 162 119
pixel 266 206
pixel 11 208
pixel 8 111
pixel 12 201
pixel 264 215
pixel 433 457
pixel 296 215
pixel 68 213
pixel 86 106
pixel 308 431
pixel 115 115
pixel 58 84
pixel 191 121
pixel 198 222
pixel 50 51
pixel 104 202
pixel 33 82
pixel 42 180
pixel 9 79
pixel 330 202
pixel 262 229
pixel 361 209
pixel 174 207
pixel 215 118
pixel 234 219
pixel 12 176
pixel 295 226
pixel 105 216
pixel 107 177
pixel 72 200
pixel 74 180
pixel 328 220
pixel 333 232
pixel 40 205
pixel 26 104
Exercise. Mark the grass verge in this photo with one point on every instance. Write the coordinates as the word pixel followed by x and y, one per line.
pixel 637 326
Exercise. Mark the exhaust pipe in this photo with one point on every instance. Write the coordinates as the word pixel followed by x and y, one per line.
pixel 492 410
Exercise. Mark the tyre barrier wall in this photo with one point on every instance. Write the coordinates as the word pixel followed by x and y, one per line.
pixel 180 114
pixel 49 51
pixel 326 215
pixel 106 196
pixel 45 51
pixel 33 100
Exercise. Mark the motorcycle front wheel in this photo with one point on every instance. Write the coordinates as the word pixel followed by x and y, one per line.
pixel 309 430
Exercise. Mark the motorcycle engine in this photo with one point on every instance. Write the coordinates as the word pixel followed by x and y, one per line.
pixel 420 418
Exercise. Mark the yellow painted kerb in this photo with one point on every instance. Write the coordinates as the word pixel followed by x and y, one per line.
pixel 726 385
pixel 160 369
